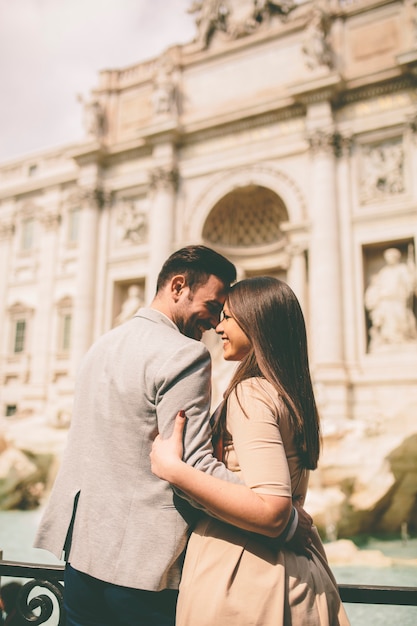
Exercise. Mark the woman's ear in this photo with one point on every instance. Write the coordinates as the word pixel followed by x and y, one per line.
pixel 178 283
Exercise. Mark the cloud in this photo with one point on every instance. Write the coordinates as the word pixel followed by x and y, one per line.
pixel 52 50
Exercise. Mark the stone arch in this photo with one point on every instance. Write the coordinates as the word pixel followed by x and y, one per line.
pixel 263 176
pixel 249 218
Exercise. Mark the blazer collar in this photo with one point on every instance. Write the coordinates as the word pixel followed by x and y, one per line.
pixel 155 316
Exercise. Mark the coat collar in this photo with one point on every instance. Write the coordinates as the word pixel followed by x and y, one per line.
pixel 156 316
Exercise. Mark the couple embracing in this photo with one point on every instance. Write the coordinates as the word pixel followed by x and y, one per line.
pixel 151 496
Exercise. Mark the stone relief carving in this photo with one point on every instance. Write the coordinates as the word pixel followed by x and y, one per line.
pixel 382 170
pixel 235 18
pixel 389 301
pixel 132 220
pixel 133 301
pixel 317 46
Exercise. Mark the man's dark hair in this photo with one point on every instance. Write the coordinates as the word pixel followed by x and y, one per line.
pixel 196 263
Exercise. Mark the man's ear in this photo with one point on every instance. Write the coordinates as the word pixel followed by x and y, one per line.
pixel 178 283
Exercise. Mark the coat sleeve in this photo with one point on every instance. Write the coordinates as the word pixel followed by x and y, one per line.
pixel 184 383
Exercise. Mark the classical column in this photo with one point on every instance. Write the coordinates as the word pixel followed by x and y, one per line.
pixel 348 270
pixel 43 341
pixel 6 235
pixel 324 262
pixel 297 274
pixel 163 183
pixel 82 336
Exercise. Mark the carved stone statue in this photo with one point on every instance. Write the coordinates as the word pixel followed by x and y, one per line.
pixel 274 7
pixel 389 299
pixel 94 118
pixel 165 89
pixel 211 15
pixel 317 46
pixel 131 304
pixel 235 18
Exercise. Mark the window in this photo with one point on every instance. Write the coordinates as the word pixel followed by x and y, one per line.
pixel 20 315
pixel 19 336
pixel 73 225
pixel 10 410
pixel 27 234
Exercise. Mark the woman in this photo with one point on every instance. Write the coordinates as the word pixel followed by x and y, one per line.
pixel 237 572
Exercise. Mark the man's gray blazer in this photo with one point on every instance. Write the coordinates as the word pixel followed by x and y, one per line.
pixel 127 526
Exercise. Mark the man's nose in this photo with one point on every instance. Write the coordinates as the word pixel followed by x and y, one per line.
pixel 213 320
pixel 218 328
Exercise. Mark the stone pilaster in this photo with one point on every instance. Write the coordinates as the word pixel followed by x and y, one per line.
pixel 325 268
pixel 297 274
pixel 163 185
pixel 91 201
pixel 325 277
pixel 7 229
pixel 344 201
pixel 43 341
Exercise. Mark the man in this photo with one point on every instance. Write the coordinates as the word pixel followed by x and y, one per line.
pixel 122 529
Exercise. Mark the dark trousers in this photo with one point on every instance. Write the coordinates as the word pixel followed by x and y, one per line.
pixel 92 602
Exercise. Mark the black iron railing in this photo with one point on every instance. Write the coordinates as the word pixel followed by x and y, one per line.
pixel 39 608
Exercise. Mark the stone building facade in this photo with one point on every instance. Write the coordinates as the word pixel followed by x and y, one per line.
pixel 285 136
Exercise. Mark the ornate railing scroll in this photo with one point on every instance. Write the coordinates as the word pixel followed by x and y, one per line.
pixel 48 577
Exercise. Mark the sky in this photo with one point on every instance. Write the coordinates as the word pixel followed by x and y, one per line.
pixel 53 50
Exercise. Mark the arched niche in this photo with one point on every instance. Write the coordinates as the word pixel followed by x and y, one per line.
pixel 261 176
pixel 248 218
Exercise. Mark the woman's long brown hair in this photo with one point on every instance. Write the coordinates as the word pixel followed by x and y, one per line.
pixel 269 313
